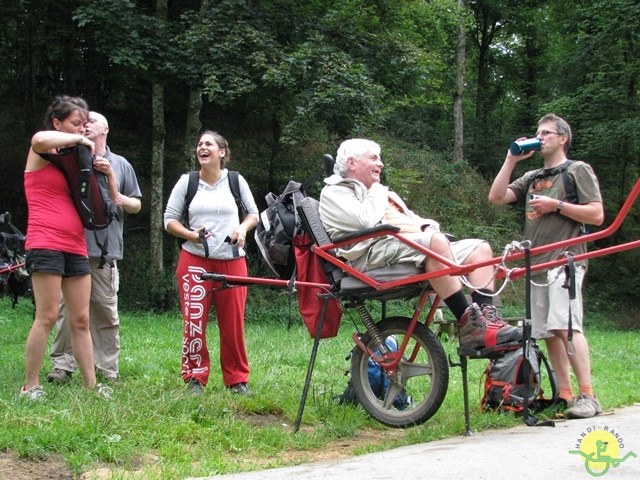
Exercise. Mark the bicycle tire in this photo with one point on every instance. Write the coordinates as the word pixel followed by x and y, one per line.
pixel 425 380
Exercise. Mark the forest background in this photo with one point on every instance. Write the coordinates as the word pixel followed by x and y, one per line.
pixel 444 86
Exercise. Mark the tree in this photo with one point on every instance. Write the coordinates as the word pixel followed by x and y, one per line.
pixel 458 115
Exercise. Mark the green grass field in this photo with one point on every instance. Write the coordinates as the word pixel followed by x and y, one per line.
pixel 153 427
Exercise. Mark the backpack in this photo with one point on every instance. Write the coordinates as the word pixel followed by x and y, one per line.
pixel 88 187
pixel 567 180
pixel 314 302
pixel 569 184
pixel 192 189
pixel 278 224
pixel 89 191
pixel 14 278
pixel 505 386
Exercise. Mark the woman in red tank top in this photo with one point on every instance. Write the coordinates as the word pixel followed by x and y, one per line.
pixel 56 247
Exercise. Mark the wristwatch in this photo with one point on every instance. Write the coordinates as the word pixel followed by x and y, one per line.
pixel 559 207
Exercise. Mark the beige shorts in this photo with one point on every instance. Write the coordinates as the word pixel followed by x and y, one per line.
pixel 391 251
pixel 550 304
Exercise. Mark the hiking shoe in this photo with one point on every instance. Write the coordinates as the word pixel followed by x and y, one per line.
pixel 34 393
pixel 194 387
pixel 585 407
pixel 241 389
pixel 59 376
pixel 477 331
pixel 492 315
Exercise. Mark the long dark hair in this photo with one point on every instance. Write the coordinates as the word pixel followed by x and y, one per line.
pixel 222 144
pixel 62 107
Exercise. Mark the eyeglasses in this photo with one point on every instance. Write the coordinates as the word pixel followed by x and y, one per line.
pixel 544 133
pixel 95 120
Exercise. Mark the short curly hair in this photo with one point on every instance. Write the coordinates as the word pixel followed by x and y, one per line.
pixel 356 148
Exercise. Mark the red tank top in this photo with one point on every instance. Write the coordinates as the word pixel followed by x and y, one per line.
pixel 53 222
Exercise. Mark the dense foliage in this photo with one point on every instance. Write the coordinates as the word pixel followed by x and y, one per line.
pixel 285 81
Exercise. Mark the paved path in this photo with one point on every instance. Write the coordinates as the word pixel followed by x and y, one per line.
pixel 520 452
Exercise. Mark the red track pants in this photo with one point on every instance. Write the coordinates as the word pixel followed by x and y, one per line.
pixel 196 297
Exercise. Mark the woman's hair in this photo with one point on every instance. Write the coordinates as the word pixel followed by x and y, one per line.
pixel 354 147
pixel 562 127
pixel 62 107
pixel 222 144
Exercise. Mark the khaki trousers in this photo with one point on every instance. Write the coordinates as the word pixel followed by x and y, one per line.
pixel 104 325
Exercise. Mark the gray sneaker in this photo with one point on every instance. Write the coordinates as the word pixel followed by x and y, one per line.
pixel 104 391
pixel 241 389
pixel 194 387
pixel 34 393
pixel 585 407
pixel 59 376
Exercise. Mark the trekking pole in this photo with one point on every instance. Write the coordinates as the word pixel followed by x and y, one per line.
pixel 529 419
pixel 526 341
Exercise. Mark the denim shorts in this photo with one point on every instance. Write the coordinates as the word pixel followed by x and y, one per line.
pixel 59 263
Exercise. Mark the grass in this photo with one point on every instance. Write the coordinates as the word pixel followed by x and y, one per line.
pixel 153 427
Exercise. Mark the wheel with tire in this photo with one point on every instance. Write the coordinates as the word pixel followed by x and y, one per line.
pixel 414 391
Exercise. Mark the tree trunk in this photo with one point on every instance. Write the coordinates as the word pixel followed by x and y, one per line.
pixel 458 116
pixel 192 128
pixel 157 177
pixel 157 165
pixel 194 125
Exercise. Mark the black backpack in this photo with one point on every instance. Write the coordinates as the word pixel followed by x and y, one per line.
pixel 89 191
pixel 569 184
pixel 88 187
pixel 192 189
pixel 567 180
pixel 278 224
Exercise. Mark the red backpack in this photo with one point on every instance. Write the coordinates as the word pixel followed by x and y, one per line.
pixel 505 386
pixel 309 269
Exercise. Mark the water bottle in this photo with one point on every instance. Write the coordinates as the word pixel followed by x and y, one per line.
pixel 524 146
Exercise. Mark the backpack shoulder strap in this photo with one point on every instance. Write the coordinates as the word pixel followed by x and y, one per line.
pixel 192 188
pixel 234 185
pixel 533 177
pixel 569 184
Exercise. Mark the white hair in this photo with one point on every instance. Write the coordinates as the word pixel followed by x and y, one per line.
pixel 356 148
pixel 100 118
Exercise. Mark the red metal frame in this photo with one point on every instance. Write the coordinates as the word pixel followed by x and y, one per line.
pixel 452 268
pixel 390 360
pixel 11 268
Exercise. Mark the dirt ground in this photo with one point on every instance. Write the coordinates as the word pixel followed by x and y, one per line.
pixel 14 468
pixel 55 468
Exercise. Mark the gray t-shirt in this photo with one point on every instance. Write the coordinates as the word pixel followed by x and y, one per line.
pixel 127 185
pixel 553 227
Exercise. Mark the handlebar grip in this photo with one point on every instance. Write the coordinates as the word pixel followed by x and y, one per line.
pixel 5 218
pixel 216 277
